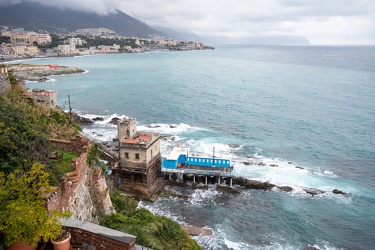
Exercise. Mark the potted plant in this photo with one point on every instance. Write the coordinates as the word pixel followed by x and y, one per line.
pixel 62 240
pixel 73 176
pixel 23 217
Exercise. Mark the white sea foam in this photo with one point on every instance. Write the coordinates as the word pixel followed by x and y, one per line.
pixel 203 197
pixel 234 245
pixel 169 129
pixel 283 173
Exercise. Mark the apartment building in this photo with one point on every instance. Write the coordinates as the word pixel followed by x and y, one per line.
pixel 28 38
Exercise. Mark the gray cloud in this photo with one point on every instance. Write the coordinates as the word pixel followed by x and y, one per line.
pixel 331 21
pixel 101 7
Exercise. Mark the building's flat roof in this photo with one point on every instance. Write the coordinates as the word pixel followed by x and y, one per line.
pixel 176 152
pixel 43 92
pixel 142 139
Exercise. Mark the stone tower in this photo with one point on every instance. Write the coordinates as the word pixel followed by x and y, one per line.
pixel 127 128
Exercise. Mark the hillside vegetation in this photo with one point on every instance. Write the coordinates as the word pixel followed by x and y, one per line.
pixel 25 130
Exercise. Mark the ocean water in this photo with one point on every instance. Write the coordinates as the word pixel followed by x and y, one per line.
pixel 308 109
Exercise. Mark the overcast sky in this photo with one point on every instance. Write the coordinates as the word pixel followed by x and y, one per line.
pixel 320 21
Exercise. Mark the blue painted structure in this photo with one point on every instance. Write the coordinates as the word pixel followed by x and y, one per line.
pixel 179 157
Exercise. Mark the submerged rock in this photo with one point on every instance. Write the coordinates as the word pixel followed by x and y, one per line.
pixel 313 191
pixel 336 191
pixel 253 184
pixel 156 126
pixel 247 162
pixel 285 188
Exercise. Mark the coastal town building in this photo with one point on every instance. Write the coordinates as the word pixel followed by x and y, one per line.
pixel 140 157
pixel 47 98
pixel 25 50
pixel 66 49
pixel 75 40
pixel 94 31
pixel 29 38
pixel 108 49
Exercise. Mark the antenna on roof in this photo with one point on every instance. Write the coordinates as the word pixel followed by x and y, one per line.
pixel 213 157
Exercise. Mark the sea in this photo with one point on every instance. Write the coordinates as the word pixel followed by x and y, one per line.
pixel 307 110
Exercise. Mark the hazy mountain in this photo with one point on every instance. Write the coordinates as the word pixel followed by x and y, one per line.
pixel 258 40
pixel 185 36
pixel 34 17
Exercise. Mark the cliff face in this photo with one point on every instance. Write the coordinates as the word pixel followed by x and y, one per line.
pixel 90 199
pixel 85 194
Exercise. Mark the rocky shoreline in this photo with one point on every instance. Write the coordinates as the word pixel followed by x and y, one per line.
pixel 40 72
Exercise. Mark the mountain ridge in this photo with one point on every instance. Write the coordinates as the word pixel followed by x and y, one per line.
pixel 36 17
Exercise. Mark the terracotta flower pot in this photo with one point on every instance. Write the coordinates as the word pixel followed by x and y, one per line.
pixel 73 176
pixel 21 246
pixel 62 245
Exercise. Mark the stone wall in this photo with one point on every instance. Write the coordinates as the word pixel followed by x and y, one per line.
pixel 75 144
pixel 74 194
pixel 92 236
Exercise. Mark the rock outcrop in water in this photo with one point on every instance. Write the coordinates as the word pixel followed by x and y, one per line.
pixel 39 73
pixel 246 183
pixel 336 191
pixel 81 120
pixel 313 191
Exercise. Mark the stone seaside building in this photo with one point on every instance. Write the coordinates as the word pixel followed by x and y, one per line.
pixel 45 97
pixel 140 157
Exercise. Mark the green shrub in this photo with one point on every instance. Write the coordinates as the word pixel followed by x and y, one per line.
pixel 153 231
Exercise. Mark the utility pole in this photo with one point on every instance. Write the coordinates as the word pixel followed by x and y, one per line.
pixel 70 108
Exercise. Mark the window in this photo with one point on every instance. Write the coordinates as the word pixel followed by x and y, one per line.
pixel 137 156
pixel 126 155
pixel 151 152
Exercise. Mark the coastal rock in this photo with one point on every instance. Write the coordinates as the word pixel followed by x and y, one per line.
pixel 173 126
pixel 168 138
pixel 247 163
pixel 114 120
pixel 313 191
pixel 253 184
pixel 98 119
pixel 261 164
pixel 81 120
pixel 299 167
pixel 336 191
pixel 155 126
pixel 274 165
pixel 227 189
pixel 233 146
pixel 285 188
pixel 197 231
